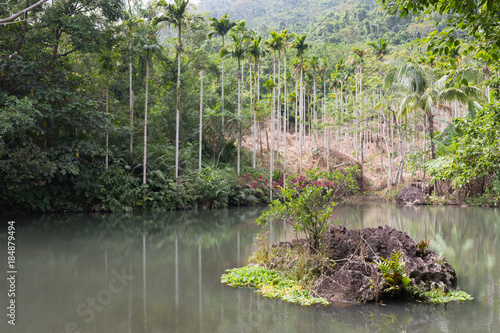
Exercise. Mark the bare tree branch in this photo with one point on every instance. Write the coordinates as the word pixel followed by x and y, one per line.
pixel 22 12
pixel 13 22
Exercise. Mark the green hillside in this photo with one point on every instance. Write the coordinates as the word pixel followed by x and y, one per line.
pixel 324 21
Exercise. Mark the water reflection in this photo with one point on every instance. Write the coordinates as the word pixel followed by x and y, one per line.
pixel 170 265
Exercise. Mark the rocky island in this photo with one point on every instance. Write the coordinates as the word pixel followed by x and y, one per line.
pixel 354 266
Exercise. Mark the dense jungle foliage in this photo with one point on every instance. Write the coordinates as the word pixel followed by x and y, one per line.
pixel 100 101
pixel 326 22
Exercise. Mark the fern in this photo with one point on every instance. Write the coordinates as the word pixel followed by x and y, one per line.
pixel 393 270
pixel 423 245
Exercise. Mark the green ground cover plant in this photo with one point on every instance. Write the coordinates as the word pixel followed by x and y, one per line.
pixel 270 284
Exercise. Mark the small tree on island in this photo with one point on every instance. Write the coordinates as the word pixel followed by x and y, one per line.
pixel 308 211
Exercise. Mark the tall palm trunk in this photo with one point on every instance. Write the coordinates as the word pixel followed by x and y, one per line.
pixel 201 122
pixel 258 99
pixel 430 127
pixel 296 119
pixel 324 111
pixel 278 109
pixel 144 161
pixel 254 118
pixel 255 112
pixel 107 131
pixel 341 102
pixel 301 112
pixel 271 160
pixel 239 118
pixel 285 119
pixel 222 94
pixel 356 121
pixel 178 104
pixel 315 114
pixel 131 104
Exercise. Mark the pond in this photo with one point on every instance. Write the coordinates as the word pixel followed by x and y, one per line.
pixel 160 272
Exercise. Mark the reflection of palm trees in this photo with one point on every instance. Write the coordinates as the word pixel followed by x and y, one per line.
pixel 176 272
pixel 472 234
pixel 144 282
pixel 199 287
pixel 176 256
pixel 130 301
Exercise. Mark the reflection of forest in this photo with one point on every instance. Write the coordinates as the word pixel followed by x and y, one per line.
pixel 176 260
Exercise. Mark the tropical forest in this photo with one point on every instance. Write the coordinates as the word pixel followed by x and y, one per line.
pixel 316 152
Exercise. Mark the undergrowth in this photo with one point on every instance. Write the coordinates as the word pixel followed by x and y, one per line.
pixel 293 260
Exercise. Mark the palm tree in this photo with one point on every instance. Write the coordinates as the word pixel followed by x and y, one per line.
pixel 301 46
pixel 314 64
pixel 340 77
pixel 176 14
pixel 409 85
pixel 149 48
pixel 241 27
pixel 257 51
pixel 107 64
pixel 131 22
pixel 287 37
pixel 146 35
pixel 381 47
pixel 275 43
pixel 323 67
pixel 201 122
pixel 221 28
pixel 238 52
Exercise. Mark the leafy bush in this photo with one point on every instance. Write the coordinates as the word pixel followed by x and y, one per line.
pixel 309 211
pixel 341 183
pixel 474 153
pixel 120 191
pixel 214 187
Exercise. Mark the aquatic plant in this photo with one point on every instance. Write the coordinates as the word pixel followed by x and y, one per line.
pixel 270 284
pixel 439 296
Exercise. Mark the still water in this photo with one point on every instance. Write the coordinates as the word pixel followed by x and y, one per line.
pixel 159 272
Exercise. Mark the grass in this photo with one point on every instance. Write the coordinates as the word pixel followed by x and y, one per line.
pixel 295 261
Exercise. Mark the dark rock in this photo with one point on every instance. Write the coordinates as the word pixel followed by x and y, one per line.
pixel 411 195
pixel 424 186
pixel 455 202
pixel 356 278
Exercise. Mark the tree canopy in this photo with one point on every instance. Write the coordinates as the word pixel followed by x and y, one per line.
pixel 477 18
